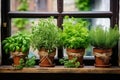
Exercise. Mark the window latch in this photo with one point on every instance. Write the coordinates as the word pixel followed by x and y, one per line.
pixel 4 24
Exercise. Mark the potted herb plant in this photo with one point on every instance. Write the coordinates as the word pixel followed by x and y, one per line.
pixel 45 38
pixel 18 45
pixel 103 41
pixel 75 38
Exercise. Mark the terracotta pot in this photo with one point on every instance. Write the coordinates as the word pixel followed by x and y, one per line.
pixel 102 57
pixel 17 56
pixel 79 53
pixel 16 60
pixel 46 59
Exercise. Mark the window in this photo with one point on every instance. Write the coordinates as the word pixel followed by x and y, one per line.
pixel 7 15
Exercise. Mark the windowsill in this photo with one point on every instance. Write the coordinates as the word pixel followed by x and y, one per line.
pixel 61 69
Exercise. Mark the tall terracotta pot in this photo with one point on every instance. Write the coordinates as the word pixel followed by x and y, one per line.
pixel 46 59
pixel 102 57
pixel 79 53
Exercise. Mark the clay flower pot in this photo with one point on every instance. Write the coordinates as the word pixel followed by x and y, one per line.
pixel 102 57
pixel 46 59
pixel 17 56
pixel 16 60
pixel 79 53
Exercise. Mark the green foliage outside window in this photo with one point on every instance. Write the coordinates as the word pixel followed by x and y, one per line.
pixel 23 6
pixel 21 23
pixel 83 5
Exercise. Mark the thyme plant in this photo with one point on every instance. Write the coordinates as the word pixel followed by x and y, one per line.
pixel 45 34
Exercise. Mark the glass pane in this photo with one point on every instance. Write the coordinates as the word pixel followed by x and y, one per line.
pixel 89 23
pixel 34 5
pixel 25 25
pixel 86 5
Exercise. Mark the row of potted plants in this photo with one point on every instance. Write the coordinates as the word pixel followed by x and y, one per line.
pixel 75 37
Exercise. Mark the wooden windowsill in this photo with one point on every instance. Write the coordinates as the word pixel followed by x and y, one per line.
pixel 61 69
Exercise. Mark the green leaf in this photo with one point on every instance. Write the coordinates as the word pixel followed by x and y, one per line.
pixel 6 46
pixel 6 50
pixel 17 48
pixel 11 47
pixel 23 49
pixel 24 42
pixel 4 42
pixel 77 64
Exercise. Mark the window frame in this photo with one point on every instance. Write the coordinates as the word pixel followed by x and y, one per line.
pixel 7 15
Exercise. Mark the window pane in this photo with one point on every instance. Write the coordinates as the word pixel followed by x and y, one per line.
pixel 21 24
pixel 86 5
pixel 25 25
pixel 34 5
pixel 90 23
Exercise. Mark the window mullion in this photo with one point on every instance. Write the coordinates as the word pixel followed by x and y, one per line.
pixel 59 23
pixel 89 14
pixel 32 14
pixel 5 27
pixel 60 6
pixel 114 8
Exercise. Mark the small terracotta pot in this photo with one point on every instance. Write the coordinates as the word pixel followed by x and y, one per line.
pixel 102 57
pixel 17 56
pixel 16 60
pixel 79 53
pixel 46 59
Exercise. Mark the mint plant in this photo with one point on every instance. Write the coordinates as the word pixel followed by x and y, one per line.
pixel 73 63
pixel 30 62
pixel 27 62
